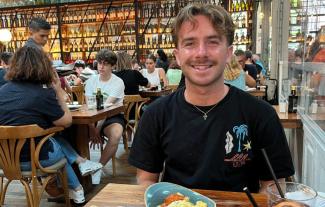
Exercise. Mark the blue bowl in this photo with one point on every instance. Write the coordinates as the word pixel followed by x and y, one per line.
pixel 156 194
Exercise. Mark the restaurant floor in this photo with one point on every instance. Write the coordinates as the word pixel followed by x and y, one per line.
pixel 124 174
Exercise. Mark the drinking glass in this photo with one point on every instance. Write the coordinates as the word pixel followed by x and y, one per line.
pixel 293 192
pixel 91 102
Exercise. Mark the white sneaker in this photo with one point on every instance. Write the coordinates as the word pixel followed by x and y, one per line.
pixel 77 196
pixel 95 177
pixel 89 167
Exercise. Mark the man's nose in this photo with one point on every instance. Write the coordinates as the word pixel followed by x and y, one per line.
pixel 202 49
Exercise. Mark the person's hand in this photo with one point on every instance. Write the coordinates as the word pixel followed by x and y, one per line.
pixel 95 139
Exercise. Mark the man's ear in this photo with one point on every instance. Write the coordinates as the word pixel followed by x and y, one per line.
pixel 229 53
pixel 176 54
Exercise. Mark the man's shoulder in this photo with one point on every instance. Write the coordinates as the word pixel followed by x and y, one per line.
pixel 166 103
pixel 251 103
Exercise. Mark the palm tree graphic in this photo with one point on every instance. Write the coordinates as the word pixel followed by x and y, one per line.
pixel 241 132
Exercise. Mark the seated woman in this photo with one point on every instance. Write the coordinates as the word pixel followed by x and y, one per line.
pixel 236 76
pixel 174 73
pixel 132 78
pixel 33 95
pixel 152 73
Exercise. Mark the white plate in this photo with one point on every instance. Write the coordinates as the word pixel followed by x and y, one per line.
pixel 73 107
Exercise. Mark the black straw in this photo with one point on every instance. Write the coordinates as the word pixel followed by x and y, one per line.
pixel 272 173
pixel 249 195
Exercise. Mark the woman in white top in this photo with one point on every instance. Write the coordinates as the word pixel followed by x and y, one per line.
pixel 152 73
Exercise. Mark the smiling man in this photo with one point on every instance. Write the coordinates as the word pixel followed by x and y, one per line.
pixel 39 31
pixel 208 135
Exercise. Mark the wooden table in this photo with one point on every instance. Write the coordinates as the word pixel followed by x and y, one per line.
pixel 80 131
pixel 156 93
pixel 133 195
pixel 289 120
pixel 257 93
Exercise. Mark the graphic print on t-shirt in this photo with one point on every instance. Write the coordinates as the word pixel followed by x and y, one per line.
pixel 238 149
pixel 241 132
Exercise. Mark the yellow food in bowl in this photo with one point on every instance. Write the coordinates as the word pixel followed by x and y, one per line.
pixel 185 203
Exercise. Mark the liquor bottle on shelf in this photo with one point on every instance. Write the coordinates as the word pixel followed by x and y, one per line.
pixel 293 100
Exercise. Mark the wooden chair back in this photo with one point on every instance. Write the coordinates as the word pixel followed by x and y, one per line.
pixel 173 87
pixel 79 92
pixel 12 140
pixel 137 102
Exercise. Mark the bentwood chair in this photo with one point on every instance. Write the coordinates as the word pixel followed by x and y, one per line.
pixel 78 92
pixel 12 139
pixel 132 112
pixel 129 101
pixel 173 87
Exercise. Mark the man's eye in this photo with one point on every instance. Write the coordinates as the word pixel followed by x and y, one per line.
pixel 186 44
pixel 214 42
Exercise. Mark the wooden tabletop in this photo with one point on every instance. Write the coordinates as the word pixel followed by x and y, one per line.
pixel 289 120
pixel 257 93
pixel 156 93
pixel 85 116
pixel 133 195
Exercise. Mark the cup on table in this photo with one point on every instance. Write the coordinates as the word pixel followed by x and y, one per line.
pixel 296 194
pixel 283 107
pixel 91 102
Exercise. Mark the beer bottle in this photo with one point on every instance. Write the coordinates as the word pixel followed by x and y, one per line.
pixel 293 100
pixel 99 99
pixel 162 84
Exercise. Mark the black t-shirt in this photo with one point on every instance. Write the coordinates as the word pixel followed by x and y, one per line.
pixel 27 103
pixel 132 80
pixel 162 64
pixel 221 152
pixel 252 70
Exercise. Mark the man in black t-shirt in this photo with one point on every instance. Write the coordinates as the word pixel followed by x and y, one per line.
pixel 209 135
pixel 247 66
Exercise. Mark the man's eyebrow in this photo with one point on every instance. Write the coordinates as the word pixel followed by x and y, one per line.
pixel 188 39
pixel 214 37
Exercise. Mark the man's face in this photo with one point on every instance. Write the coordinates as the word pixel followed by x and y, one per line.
pixel 41 36
pixel 104 68
pixel 79 70
pixel 241 59
pixel 202 52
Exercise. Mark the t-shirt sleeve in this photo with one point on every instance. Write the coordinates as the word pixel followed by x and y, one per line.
pixel 49 105
pixel 142 81
pixel 270 136
pixel 118 90
pixel 89 89
pixel 146 152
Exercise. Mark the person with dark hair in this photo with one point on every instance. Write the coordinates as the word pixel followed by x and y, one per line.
pixel 4 65
pixel 132 78
pixel 244 61
pixel 39 31
pixel 209 135
pixel 174 73
pixel 162 60
pixel 33 95
pixel 153 74
pixel 112 89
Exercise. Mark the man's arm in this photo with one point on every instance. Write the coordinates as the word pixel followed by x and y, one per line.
pixel 146 178
pixel 264 184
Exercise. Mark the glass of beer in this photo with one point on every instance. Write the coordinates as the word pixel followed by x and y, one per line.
pixel 296 195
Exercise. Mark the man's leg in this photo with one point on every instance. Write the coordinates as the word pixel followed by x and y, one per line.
pixel 113 132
